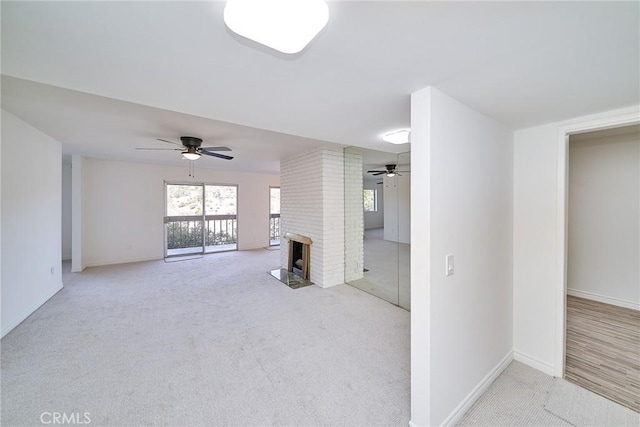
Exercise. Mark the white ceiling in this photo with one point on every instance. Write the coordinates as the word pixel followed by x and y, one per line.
pixel 96 126
pixel 523 63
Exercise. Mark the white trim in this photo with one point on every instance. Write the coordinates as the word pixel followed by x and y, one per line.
pixel 561 263
pixel 594 123
pixel 8 328
pixel 456 415
pixel 531 361
pixel 123 261
pixel 603 298
pixel 411 424
pixel 78 270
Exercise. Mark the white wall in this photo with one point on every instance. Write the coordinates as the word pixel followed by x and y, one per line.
pixel 31 220
pixel 604 219
pixel 66 210
pixel 77 214
pixel 535 253
pixel 123 208
pixel 461 335
pixel 537 231
pixel 1 328
pixel 375 219
pixel 397 208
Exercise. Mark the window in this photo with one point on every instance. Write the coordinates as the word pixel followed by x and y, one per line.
pixel 370 200
pixel 274 216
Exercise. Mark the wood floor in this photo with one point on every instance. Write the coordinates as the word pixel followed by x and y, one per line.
pixel 603 350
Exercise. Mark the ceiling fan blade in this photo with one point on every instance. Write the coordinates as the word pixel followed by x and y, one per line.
pixel 220 156
pixel 170 142
pixel 379 182
pixel 372 171
pixel 379 173
pixel 215 148
pixel 162 149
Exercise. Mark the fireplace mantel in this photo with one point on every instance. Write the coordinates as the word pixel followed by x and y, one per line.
pixel 298 238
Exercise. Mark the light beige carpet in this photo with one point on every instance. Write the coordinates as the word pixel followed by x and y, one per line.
pixel 208 342
pixel 581 407
pixel 523 396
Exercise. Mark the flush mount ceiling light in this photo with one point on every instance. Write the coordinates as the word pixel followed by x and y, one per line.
pixel 397 137
pixel 284 25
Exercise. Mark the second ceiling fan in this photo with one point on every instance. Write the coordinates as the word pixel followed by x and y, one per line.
pixel 390 171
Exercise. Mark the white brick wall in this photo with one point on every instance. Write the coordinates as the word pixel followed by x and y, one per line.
pixel 312 204
pixel 333 217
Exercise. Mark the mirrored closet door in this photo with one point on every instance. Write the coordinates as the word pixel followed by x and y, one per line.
pixel 377 223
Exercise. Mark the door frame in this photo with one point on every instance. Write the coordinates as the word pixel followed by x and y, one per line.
pixel 560 294
pixel 269 237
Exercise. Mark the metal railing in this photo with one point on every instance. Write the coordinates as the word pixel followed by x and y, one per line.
pixel 196 231
pixel 274 229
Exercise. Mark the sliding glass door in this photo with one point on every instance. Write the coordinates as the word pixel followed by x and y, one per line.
pixel 274 216
pixel 200 218
pixel 221 218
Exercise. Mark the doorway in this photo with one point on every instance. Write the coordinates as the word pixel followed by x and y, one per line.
pixel 200 218
pixel 603 257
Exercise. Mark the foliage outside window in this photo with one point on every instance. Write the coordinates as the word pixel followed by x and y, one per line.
pixel 275 200
pixel 195 229
pixel 370 200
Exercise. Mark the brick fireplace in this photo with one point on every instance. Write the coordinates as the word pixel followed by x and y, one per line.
pixel 312 205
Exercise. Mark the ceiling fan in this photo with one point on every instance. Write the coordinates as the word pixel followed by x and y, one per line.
pixel 191 148
pixel 390 171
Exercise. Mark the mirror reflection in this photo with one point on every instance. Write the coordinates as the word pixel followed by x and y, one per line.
pixel 386 219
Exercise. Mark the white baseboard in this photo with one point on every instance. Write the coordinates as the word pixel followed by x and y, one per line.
pixel 122 261
pixel 9 327
pixel 604 299
pixel 533 362
pixel 482 386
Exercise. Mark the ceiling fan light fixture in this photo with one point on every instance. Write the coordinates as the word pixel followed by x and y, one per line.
pixel 287 26
pixel 191 154
pixel 391 174
pixel 397 137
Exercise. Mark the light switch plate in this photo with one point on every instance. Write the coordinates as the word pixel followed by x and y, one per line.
pixel 449 265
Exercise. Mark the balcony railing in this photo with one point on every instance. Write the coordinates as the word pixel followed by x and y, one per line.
pixel 209 234
pixel 274 229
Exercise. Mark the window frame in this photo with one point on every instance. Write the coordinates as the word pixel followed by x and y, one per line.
pixel 375 199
